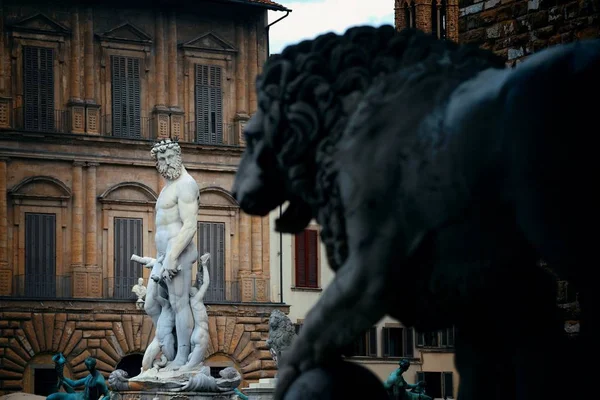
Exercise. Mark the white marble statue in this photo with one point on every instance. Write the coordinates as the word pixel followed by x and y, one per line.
pixel 140 292
pixel 176 211
pixel 176 307
pixel 200 335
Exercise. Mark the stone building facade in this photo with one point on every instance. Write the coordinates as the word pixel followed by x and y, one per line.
pixel 517 28
pixel 439 17
pixel 85 90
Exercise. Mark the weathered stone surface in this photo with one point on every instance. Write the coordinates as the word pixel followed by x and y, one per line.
pixel 235 338
pixel 242 344
pixel 229 330
pixel 253 366
pixel 29 330
pixel 262 327
pixel 120 335
pixel 255 335
pixel 519 28
pixel 73 342
pixel 246 351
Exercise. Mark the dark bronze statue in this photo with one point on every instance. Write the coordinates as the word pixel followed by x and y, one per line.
pixel 95 387
pixel 399 389
pixel 439 177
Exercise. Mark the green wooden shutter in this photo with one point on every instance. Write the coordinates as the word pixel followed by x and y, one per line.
pixel 126 96
pixel 40 255
pixel 209 104
pixel 211 239
pixel 38 89
pixel 420 376
pixel 127 241
pixel 133 97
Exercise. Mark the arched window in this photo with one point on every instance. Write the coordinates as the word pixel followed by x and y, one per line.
pixel 132 364
pixel 438 18
pixel 407 18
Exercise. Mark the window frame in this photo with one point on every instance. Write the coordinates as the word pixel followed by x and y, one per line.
pixel 305 282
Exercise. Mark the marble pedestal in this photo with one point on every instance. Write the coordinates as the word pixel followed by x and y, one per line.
pixel 262 390
pixel 163 395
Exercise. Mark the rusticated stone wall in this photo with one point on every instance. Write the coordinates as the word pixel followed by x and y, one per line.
pixel 32 331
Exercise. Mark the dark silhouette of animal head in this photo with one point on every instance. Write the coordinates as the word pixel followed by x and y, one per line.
pixel 305 96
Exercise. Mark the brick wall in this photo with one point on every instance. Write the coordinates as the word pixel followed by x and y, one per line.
pixel 517 28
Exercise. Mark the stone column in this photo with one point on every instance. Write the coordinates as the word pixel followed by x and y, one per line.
pixel 87 281
pixel 252 66
pixel 245 243
pixel 176 125
pixel 423 10
pixel 241 83
pixel 266 251
pixel 245 257
pixel 452 14
pixel 161 112
pixel 76 104
pixel 5 271
pixel 92 109
pixel 77 217
pixel 91 238
pixel 399 16
pixel 256 245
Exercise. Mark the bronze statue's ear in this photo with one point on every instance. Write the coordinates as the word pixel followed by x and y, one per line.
pixel 295 218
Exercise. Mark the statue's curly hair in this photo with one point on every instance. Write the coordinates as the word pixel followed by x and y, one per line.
pixel 309 90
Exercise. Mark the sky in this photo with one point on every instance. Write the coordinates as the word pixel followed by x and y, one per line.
pixel 310 18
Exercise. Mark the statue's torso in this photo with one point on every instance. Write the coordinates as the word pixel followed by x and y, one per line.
pixel 168 220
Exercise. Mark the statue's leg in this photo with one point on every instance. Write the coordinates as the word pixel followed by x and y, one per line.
pixel 164 332
pixel 199 349
pixel 355 300
pixel 150 354
pixel 179 297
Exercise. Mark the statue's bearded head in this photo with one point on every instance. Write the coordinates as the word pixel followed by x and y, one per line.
pixel 167 155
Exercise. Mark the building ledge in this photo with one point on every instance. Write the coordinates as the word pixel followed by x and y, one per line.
pixel 306 289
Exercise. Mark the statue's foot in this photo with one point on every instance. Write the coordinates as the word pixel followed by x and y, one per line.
pixel 188 367
pixel 172 366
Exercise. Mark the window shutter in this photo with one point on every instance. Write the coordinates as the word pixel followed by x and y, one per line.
pixel 372 342
pixel 118 93
pixel 409 342
pixel 443 337
pixel 127 241
pixel 134 97
pixel 202 104
pixel 448 384
pixel 451 337
pixel 211 239
pixel 385 341
pixel 420 339
pixel 313 261
pixel 300 260
pixel 126 96
pixel 420 376
pixel 40 255
pixel 209 104
pixel 38 88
